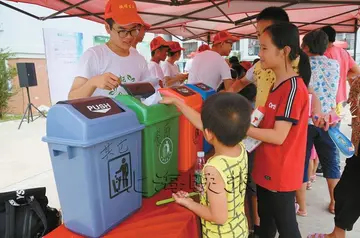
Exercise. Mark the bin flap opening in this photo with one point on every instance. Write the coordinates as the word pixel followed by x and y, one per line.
pixel 139 90
pixel 94 107
pixel 152 100
pixel 203 87
pixel 183 91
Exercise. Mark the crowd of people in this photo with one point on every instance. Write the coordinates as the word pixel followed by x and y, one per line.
pixel 244 194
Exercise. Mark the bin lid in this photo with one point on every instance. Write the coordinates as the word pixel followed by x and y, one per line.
pixel 89 121
pixel 187 95
pixel 203 87
pixel 139 90
pixel 148 115
pixel 204 90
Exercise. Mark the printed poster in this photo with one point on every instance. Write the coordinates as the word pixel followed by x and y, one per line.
pixel 63 50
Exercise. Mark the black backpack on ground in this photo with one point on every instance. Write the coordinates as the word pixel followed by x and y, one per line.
pixel 26 214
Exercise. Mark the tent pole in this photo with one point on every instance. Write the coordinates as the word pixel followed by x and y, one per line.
pixel 19 10
pixel 355 39
pixel 208 38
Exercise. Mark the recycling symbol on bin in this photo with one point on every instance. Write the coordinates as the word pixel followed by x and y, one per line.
pixel 166 149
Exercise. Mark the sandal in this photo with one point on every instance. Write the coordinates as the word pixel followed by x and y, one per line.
pixel 301 213
pixel 313 178
pixel 308 186
pixel 317 235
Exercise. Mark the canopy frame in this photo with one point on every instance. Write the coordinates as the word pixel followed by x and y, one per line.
pixel 205 36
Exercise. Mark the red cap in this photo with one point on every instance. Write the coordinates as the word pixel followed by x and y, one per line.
pixel 175 46
pixel 203 48
pixel 157 42
pixel 123 12
pixel 223 36
pixel 147 26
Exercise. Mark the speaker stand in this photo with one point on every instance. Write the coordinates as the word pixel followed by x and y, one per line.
pixel 28 111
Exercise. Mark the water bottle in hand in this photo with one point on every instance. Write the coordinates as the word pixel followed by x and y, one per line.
pixel 198 170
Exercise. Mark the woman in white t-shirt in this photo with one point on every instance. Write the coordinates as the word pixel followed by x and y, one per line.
pixel 170 69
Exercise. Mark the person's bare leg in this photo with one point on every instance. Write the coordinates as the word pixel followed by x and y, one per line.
pixel 255 211
pixel 311 168
pixel 316 164
pixel 331 185
pixel 301 200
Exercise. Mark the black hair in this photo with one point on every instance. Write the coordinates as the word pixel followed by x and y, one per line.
pixel 110 22
pixel 317 41
pixel 227 115
pixel 249 92
pixel 233 60
pixel 240 70
pixel 233 73
pixel 330 32
pixel 171 54
pixel 154 51
pixel 255 61
pixel 287 34
pixel 275 14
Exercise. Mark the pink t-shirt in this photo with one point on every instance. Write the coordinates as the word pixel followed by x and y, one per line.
pixel 346 62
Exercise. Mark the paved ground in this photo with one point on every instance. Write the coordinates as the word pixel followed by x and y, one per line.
pixel 25 163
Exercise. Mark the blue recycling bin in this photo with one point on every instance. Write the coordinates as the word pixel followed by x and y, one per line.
pixel 205 92
pixel 95 149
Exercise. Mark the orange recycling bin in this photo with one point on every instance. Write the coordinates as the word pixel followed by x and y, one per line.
pixel 190 138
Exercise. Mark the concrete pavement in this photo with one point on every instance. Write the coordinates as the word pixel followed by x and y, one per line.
pixel 25 163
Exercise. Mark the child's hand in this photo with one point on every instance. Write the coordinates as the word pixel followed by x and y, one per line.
pixel 182 198
pixel 168 100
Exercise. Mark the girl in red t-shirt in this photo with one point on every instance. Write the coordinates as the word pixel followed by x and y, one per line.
pixel 279 160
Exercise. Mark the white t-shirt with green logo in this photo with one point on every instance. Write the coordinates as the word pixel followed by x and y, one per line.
pixel 100 59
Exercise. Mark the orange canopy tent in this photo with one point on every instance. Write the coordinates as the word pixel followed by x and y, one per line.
pixel 200 19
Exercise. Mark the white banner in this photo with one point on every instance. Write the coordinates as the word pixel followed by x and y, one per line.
pixel 62 50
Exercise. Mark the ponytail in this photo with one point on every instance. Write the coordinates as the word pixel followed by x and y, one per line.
pixel 304 67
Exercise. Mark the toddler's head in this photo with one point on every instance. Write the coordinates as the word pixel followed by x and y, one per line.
pixel 225 118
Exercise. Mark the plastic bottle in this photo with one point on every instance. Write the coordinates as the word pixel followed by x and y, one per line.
pixel 198 170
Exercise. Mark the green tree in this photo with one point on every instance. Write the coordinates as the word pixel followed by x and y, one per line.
pixel 6 73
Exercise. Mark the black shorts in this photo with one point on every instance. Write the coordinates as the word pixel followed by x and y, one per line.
pixel 251 186
pixel 347 195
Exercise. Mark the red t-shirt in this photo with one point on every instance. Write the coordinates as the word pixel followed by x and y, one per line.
pixel 281 167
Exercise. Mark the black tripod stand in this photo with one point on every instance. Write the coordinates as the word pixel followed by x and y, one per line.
pixel 28 110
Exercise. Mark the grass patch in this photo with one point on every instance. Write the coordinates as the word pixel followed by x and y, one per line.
pixel 9 117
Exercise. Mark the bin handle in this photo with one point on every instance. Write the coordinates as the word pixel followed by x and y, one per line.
pixel 62 149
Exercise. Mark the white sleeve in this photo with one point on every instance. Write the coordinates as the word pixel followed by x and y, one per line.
pixel 224 70
pixel 188 65
pixel 87 66
pixel 144 69
pixel 146 76
pixel 250 74
pixel 166 70
pixel 152 70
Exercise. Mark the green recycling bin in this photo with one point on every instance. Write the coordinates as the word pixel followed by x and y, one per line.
pixel 160 143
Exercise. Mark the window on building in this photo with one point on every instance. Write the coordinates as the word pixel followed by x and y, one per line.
pixel 348 37
pixel 236 46
pixel 189 47
pixel 254 47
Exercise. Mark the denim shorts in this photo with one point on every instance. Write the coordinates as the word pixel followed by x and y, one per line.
pixel 327 151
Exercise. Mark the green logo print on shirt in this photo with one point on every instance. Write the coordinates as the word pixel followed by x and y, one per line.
pixel 124 79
